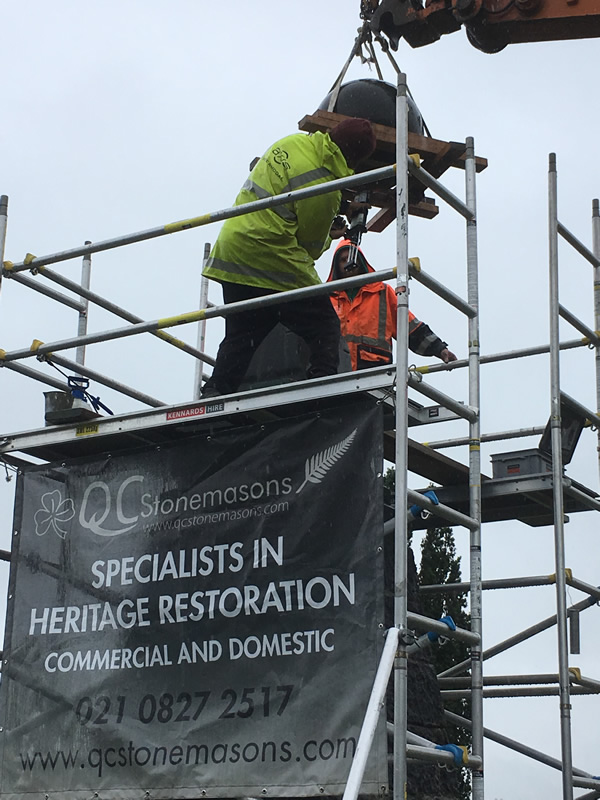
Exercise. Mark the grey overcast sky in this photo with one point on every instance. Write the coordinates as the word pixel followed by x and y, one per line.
pixel 121 116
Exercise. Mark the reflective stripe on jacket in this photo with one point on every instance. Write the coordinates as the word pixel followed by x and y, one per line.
pixel 277 248
pixel 368 321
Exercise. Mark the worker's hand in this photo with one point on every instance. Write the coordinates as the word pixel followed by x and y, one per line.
pixel 447 356
pixel 338 228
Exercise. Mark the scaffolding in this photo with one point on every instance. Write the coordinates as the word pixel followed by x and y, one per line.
pixel 463 504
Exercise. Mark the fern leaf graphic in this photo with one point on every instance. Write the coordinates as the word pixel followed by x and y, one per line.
pixel 318 465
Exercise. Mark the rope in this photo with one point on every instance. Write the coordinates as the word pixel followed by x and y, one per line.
pixel 356 47
pixel 362 43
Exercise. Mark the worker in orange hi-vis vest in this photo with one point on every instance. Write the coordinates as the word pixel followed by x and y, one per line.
pixel 367 316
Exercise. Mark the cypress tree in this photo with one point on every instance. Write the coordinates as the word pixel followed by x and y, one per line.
pixel 441 565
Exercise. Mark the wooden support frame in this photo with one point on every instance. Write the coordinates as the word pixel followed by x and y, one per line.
pixel 437 156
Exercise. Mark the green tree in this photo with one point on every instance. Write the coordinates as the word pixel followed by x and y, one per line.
pixel 441 565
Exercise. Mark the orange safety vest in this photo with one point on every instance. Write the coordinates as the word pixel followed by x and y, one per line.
pixel 368 322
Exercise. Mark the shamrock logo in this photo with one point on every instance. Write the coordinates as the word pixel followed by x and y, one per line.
pixel 54 513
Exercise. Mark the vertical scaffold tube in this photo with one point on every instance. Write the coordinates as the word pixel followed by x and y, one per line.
pixel 474 471
pixel 3 222
pixel 596 249
pixel 557 476
pixel 401 534
pixel 86 272
pixel 201 341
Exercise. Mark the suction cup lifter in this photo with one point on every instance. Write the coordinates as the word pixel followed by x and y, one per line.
pixel 358 226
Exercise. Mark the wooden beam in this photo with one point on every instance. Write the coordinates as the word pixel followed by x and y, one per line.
pixel 440 154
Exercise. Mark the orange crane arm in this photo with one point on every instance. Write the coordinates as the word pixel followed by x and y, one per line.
pixel 490 24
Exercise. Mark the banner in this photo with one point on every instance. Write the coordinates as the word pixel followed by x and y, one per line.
pixel 203 618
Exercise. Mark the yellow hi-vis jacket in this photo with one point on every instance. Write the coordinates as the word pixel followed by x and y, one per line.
pixel 276 248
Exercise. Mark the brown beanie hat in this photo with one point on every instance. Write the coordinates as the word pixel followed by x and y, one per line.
pixel 355 138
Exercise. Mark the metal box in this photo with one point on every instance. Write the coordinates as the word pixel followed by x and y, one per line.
pixel 62 408
pixel 520 462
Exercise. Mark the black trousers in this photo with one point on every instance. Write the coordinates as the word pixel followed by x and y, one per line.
pixel 314 320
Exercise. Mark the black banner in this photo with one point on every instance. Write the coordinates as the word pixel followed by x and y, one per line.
pixel 199 619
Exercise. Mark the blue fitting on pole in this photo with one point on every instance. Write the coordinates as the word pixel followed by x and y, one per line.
pixel 416 509
pixel 459 752
pixel 432 496
pixel 447 620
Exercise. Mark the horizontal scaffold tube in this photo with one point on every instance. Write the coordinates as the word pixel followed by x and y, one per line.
pixel 205 219
pixel 501 647
pixel 199 314
pixel 422 623
pixel 499 583
pixel 441 510
pixel 508 355
pixel 416 382
pixel 518 433
pixel 586 783
pixel 81 369
pixel 584 498
pixel 511 680
pixel 64 299
pixel 22 369
pixel 512 744
pixel 439 756
pixel 102 302
pixel 517 691
pixel 420 741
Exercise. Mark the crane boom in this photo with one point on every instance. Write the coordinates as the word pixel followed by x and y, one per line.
pixel 490 24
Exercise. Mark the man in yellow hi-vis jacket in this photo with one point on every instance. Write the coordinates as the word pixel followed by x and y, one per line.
pixel 275 249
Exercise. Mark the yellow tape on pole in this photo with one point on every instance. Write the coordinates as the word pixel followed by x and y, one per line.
pixel 29 258
pixel 181 319
pixel 185 224
pixel 35 345
pixel 8 265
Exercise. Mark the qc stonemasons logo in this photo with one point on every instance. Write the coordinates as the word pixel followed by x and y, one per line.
pixel 115 508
